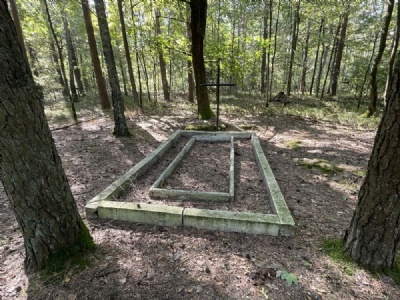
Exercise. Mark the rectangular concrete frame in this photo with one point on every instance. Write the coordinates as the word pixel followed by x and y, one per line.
pixel 156 190
pixel 280 224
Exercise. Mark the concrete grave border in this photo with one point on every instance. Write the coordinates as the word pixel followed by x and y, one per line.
pixel 280 223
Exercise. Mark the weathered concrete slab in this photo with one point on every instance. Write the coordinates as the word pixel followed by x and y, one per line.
pixel 162 215
pixel 231 221
pixel 278 202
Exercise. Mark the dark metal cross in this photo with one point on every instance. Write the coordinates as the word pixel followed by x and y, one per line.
pixel 218 85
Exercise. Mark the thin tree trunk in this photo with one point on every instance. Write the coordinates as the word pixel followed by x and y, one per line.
pixel 121 67
pixel 273 56
pixel 31 169
pixel 264 51
pixel 101 84
pixel 321 27
pixel 323 58
pixel 373 236
pixel 50 23
pixel 395 45
pixel 198 27
pixel 339 53
pixel 189 60
pixel 71 56
pixel 367 72
pixel 54 56
pixel 305 61
pixel 120 128
pixel 163 65
pixel 146 76
pixel 373 92
pixel 127 53
pixel 296 21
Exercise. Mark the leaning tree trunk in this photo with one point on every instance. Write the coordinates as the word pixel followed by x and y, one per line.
pixel 339 54
pixel 101 84
pixel 30 168
pixel 321 27
pixel 190 78
pixel 120 128
pixel 198 25
pixel 373 236
pixel 373 92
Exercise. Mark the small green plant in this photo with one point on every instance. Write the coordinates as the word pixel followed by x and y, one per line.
pixel 333 248
pixel 293 144
pixel 290 278
pixel 323 165
pixel 246 126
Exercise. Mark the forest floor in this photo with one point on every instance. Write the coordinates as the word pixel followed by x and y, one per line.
pixel 318 164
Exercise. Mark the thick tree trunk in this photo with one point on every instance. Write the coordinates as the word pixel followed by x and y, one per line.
pixel 373 92
pixel 296 21
pixel 101 84
pixel 198 26
pixel 163 65
pixel 120 128
pixel 339 53
pixel 30 168
pixel 373 236
pixel 127 53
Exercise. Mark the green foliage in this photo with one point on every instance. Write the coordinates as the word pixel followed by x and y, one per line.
pixel 290 278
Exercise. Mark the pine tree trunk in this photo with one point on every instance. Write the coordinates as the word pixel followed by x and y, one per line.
pixel 198 27
pixel 339 54
pixel 373 237
pixel 127 53
pixel 30 168
pixel 17 23
pixel 163 65
pixel 120 128
pixel 101 84
pixel 373 96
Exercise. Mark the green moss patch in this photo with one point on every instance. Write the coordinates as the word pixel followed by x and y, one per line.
pixel 246 126
pixel 323 165
pixel 294 144
pixel 71 254
pixel 204 127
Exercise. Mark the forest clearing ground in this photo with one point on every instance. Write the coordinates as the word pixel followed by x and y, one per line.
pixel 136 261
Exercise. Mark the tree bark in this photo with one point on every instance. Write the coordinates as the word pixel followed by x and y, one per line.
pixel 373 237
pixel 120 128
pixel 339 53
pixel 198 27
pixel 373 92
pixel 127 53
pixel 30 168
pixel 101 84
pixel 264 53
pixel 163 65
